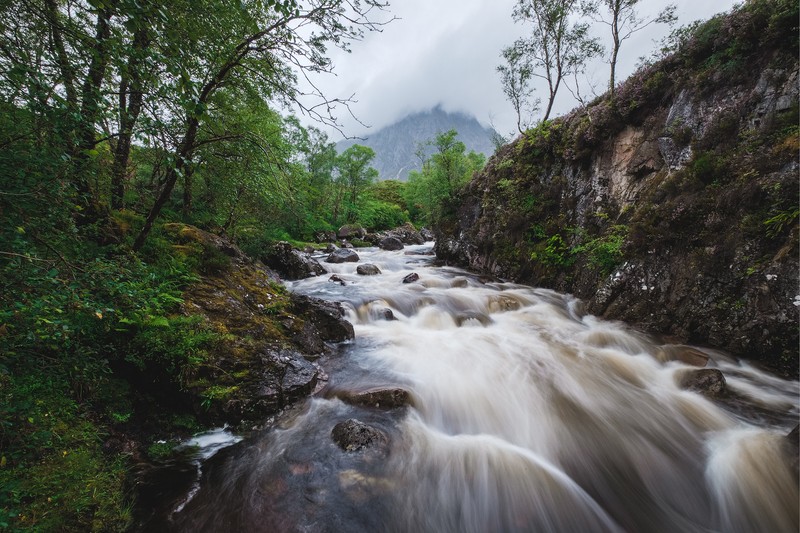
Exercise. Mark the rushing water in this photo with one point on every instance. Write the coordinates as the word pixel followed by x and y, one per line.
pixel 527 415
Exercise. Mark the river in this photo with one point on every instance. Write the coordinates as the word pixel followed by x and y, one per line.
pixel 526 415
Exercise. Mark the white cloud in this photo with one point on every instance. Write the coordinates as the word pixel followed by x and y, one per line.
pixel 446 51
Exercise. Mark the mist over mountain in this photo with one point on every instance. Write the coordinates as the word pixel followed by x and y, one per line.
pixel 396 145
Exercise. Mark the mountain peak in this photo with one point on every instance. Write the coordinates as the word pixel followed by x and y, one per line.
pixel 396 145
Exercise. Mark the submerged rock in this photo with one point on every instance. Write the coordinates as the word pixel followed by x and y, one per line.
pixel 706 381
pixel 336 279
pixel 353 435
pixel 368 269
pixel 342 255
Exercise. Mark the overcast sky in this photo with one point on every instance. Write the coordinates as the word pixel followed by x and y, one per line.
pixel 446 52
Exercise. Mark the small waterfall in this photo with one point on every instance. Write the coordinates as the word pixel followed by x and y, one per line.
pixel 526 415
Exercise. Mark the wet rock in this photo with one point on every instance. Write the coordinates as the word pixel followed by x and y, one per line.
pixel 426 234
pixel 290 263
pixel 285 375
pixel 368 269
pixel 353 435
pixel 385 314
pixel 330 248
pixel 385 398
pixel 391 244
pixel 327 317
pixel 411 278
pixel 706 381
pixel 336 279
pixel 350 231
pixel 342 255
pixel 347 245
pixel 682 353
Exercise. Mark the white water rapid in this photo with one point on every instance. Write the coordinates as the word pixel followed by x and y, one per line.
pixel 526 415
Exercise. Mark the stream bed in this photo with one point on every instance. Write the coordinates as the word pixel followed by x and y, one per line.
pixel 524 414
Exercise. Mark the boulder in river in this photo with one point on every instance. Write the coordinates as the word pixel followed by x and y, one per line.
pixel 411 278
pixel 391 244
pixel 292 263
pixel 706 381
pixel 380 397
pixel 385 313
pixel 368 269
pixel 327 317
pixel 336 279
pixel 342 255
pixel 353 435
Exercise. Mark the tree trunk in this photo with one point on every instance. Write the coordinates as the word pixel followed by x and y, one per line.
pixel 129 110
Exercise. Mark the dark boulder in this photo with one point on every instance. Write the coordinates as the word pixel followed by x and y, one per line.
pixel 391 244
pixel 350 231
pixel 342 255
pixel 353 435
pixel 385 398
pixel 427 234
pixel 336 279
pixel 291 263
pixel 327 317
pixel 411 278
pixel 706 381
pixel 368 269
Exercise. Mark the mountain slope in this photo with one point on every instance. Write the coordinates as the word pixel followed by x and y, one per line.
pixel 675 207
pixel 396 145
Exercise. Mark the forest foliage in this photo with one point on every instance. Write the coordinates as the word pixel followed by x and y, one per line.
pixel 117 116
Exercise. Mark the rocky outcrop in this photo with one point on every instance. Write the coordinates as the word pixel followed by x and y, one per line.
pixel 674 207
pixel 266 338
pixel 291 263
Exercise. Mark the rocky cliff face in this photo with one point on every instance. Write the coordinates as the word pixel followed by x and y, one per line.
pixel 674 207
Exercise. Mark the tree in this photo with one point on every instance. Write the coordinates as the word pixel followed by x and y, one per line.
pixel 266 46
pixel 556 48
pixel 623 20
pixel 431 191
pixel 355 174
pixel 515 76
